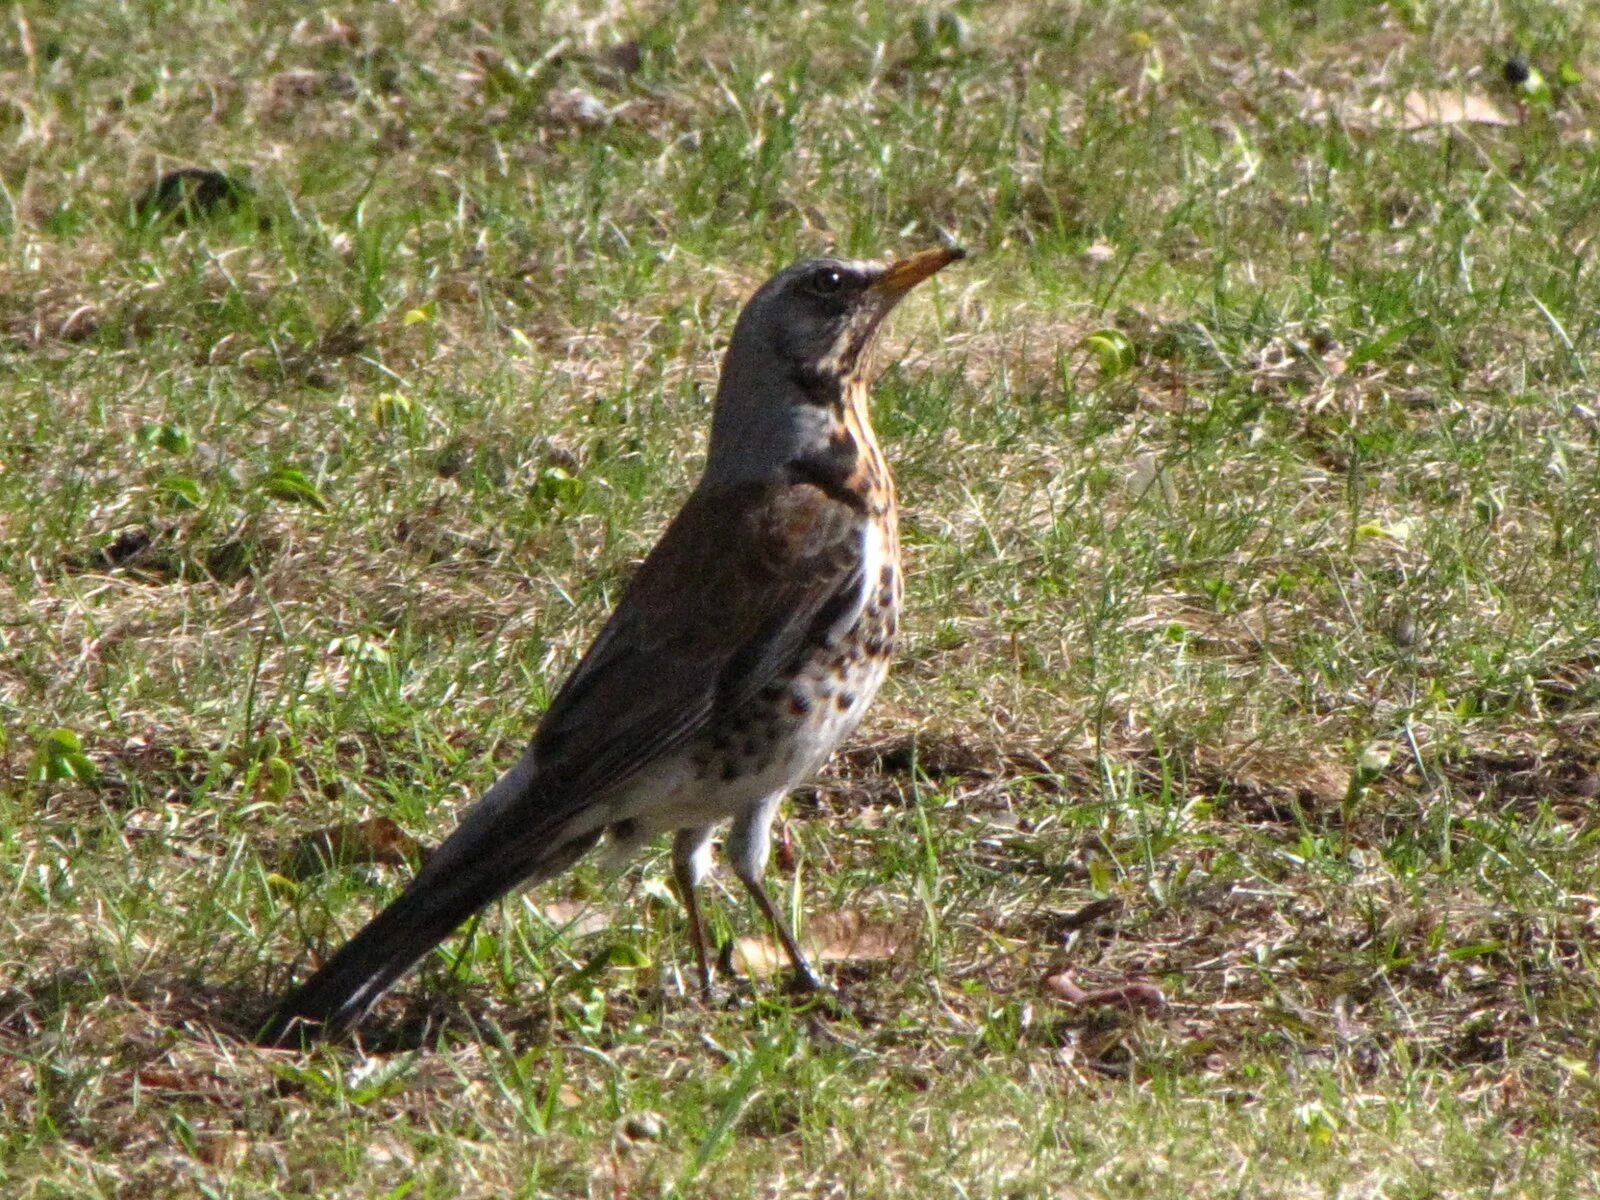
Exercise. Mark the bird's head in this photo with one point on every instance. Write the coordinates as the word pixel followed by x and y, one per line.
pixel 799 343
pixel 817 318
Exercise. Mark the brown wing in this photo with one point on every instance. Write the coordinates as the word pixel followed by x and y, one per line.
pixel 738 583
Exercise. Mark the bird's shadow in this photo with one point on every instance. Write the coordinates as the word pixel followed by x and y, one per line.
pixel 207 1011
pixel 166 1001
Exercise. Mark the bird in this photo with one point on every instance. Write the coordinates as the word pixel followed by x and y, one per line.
pixel 745 648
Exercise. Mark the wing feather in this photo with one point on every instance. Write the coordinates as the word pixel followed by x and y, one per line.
pixel 721 606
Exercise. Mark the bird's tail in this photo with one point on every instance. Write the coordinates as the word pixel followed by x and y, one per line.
pixel 480 862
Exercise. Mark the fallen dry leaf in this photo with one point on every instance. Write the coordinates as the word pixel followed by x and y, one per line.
pixel 844 936
pixel 1423 110
pixel 171 1079
pixel 1094 911
pixel 1135 997
pixel 376 840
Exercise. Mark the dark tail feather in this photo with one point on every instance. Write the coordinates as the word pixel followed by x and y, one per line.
pixel 475 866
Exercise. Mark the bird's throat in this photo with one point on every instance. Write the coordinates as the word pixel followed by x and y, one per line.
pixel 869 477
pixel 845 461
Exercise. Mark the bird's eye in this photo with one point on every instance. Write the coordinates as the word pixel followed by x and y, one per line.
pixel 826 281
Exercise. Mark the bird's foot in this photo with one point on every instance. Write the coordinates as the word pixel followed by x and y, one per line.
pixel 804 981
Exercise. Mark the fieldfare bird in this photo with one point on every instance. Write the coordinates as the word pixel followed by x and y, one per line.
pixel 746 647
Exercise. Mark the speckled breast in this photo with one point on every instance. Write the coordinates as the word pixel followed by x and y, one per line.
pixel 797 720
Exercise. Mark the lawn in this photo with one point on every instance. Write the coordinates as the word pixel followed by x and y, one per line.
pixel 1230 824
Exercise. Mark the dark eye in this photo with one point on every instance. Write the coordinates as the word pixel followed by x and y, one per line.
pixel 826 281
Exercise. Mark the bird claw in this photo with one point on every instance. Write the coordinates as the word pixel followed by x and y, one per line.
pixel 806 982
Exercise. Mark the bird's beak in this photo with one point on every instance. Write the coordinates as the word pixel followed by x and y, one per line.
pixel 904 275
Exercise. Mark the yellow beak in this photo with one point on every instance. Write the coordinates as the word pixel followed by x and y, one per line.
pixel 908 272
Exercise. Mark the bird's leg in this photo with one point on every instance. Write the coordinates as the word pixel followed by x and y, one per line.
pixel 806 978
pixel 749 842
pixel 691 859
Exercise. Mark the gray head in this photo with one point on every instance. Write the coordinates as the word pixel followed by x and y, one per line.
pixel 799 343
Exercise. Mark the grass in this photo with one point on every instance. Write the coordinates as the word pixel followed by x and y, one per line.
pixel 1250 472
